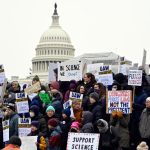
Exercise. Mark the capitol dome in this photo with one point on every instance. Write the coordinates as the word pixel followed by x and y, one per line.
pixel 54 46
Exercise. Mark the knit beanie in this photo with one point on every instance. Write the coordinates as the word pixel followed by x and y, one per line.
pixel 75 125
pixel 53 122
pixel 15 140
pixel 11 106
pixel 67 112
pixel 36 78
pixel 55 85
pixel 142 146
pixel 50 108
pixel 35 124
pixel 35 109
pixel 95 96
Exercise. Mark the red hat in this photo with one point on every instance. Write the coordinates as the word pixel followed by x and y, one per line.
pixel 53 122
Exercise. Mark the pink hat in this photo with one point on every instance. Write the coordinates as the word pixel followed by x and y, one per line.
pixel 55 85
pixel 75 125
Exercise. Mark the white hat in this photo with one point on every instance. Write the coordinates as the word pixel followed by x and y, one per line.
pixel 142 146
pixel 148 99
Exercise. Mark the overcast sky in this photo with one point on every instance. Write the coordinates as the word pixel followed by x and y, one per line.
pixel 120 26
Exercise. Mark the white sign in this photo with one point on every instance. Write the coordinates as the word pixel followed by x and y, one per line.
pixel 2 74
pixel 135 77
pixel 5 130
pixel 123 69
pixel 67 104
pixel 33 89
pixel 51 74
pixel 22 103
pixel 24 126
pixel 70 71
pixel 28 143
pixel 83 141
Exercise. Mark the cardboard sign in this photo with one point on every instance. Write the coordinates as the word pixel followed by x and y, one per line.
pixel 45 98
pixel 22 103
pixel 119 101
pixel 70 71
pixel 33 89
pixel 24 126
pixel 82 141
pixel 28 143
pixel 5 130
pixel 135 77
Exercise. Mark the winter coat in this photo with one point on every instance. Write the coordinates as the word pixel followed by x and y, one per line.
pixel 109 140
pixel 43 125
pixel 121 124
pixel 144 127
pixel 87 122
pixel 11 147
pixel 55 139
pixel 13 125
pixel 65 127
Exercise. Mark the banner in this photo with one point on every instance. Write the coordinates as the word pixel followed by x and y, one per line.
pixel 24 126
pixel 33 89
pixel 119 101
pixel 22 103
pixel 5 130
pixel 28 143
pixel 135 77
pixel 82 141
pixel 70 71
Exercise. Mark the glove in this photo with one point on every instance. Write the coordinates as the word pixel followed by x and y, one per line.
pixel 114 114
pixel 120 114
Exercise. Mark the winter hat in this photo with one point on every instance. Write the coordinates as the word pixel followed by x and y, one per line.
pixel 102 125
pixel 36 78
pixel 55 85
pixel 148 99
pixel 53 122
pixel 75 125
pixel 11 106
pixel 50 108
pixel 95 96
pixel 142 146
pixel 72 85
pixel 35 124
pixel 15 140
pixel 67 112
pixel 35 109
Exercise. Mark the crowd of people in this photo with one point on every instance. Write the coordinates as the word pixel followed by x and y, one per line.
pixel 51 123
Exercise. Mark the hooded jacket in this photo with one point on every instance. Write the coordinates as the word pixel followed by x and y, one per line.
pixel 87 122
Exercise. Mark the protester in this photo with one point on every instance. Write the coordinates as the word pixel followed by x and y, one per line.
pixel 54 137
pixel 145 122
pixel 75 127
pixel 14 143
pixel 41 141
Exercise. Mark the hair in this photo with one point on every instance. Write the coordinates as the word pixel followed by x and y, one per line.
pixel 78 88
pixel 15 140
pixel 102 89
pixel 90 75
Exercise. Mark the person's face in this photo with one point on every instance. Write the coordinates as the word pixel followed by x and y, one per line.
pixel 114 88
pixel 92 100
pixel 64 116
pixel 50 127
pixel 87 79
pixel 33 128
pixel 51 88
pixel 15 85
pixel 82 89
pixel 147 104
pixel 9 111
pixel 50 113
pixel 96 87
pixel 76 105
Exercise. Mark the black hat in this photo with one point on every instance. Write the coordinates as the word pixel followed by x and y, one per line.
pixel 15 140
pixel 11 106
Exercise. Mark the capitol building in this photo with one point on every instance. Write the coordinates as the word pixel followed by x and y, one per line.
pixel 54 46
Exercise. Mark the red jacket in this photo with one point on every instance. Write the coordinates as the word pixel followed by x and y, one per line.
pixel 12 147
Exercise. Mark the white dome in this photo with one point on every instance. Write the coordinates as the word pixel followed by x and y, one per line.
pixel 55 34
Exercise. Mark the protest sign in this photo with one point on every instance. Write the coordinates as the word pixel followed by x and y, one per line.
pixel 119 101
pixel 52 75
pixel 123 69
pixel 80 141
pixel 2 74
pixel 22 103
pixel 67 104
pixel 28 143
pixel 24 126
pixel 45 98
pixel 70 71
pixel 135 77
pixel 5 130
pixel 33 89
